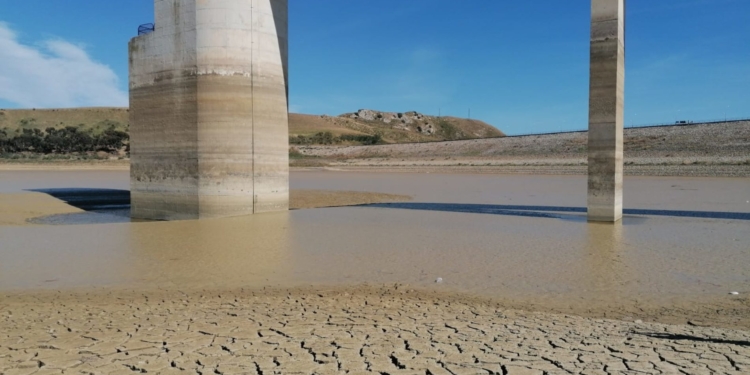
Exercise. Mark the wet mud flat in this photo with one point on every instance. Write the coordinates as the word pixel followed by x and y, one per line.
pixel 526 284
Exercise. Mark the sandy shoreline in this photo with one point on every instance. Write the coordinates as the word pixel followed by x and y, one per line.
pixel 386 330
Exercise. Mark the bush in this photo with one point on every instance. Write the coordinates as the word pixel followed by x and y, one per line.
pixel 69 139
pixel 111 140
pixel 363 139
pixel 450 132
pixel 327 138
pixel 295 154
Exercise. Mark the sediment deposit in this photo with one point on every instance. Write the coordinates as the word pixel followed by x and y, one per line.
pixel 354 331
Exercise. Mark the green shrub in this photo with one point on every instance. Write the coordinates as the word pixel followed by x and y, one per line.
pixel 69 139
pixel 327 138
pixel 450 132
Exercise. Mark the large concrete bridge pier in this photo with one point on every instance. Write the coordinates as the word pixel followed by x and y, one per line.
pixel 208 110
pixel 606 102
pixel 209 113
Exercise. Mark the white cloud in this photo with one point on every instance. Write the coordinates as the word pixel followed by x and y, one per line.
pixel 55 74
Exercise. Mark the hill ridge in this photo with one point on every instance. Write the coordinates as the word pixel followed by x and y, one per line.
pixel 390 127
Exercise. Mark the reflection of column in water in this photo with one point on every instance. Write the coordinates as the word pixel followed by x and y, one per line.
pixel 247 251
pixel 607 270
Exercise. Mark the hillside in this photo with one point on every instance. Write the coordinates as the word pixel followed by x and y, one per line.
pixel 389 126
pixel 712 149
pixel 87 118
pixel 393 127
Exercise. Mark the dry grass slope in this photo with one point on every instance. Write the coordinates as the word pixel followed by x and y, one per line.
pixel 88 118
pixel 299 124
pixel 440 128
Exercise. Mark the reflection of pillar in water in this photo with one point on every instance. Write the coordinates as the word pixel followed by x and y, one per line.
pixel 606 268
pixel 606 102
pixel 248 251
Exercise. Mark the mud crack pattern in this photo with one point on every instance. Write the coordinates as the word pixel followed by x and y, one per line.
pixel 381 331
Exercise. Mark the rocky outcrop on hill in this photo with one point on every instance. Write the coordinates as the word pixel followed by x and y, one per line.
pixel 409 121
pixel 393 127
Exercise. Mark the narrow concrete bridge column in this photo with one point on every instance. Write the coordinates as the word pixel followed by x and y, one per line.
pixel 208 110
pixel 606 101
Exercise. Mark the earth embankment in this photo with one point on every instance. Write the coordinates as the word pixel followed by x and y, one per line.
pixel 716 149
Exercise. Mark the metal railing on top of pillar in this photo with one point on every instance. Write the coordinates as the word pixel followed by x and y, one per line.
pixel 146 28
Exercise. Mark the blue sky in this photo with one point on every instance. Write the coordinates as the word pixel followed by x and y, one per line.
pixel 519 65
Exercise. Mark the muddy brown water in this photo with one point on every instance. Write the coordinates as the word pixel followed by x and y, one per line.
pixel 496 236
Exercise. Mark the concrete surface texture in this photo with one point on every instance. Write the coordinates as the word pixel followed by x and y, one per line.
pixel 606 102
pixel 209 116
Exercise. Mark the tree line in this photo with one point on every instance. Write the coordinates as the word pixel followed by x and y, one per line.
pixel 327 138
pixel 77 139
pixel 65 140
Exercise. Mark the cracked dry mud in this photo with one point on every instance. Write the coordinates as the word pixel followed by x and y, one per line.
pixel 342 331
